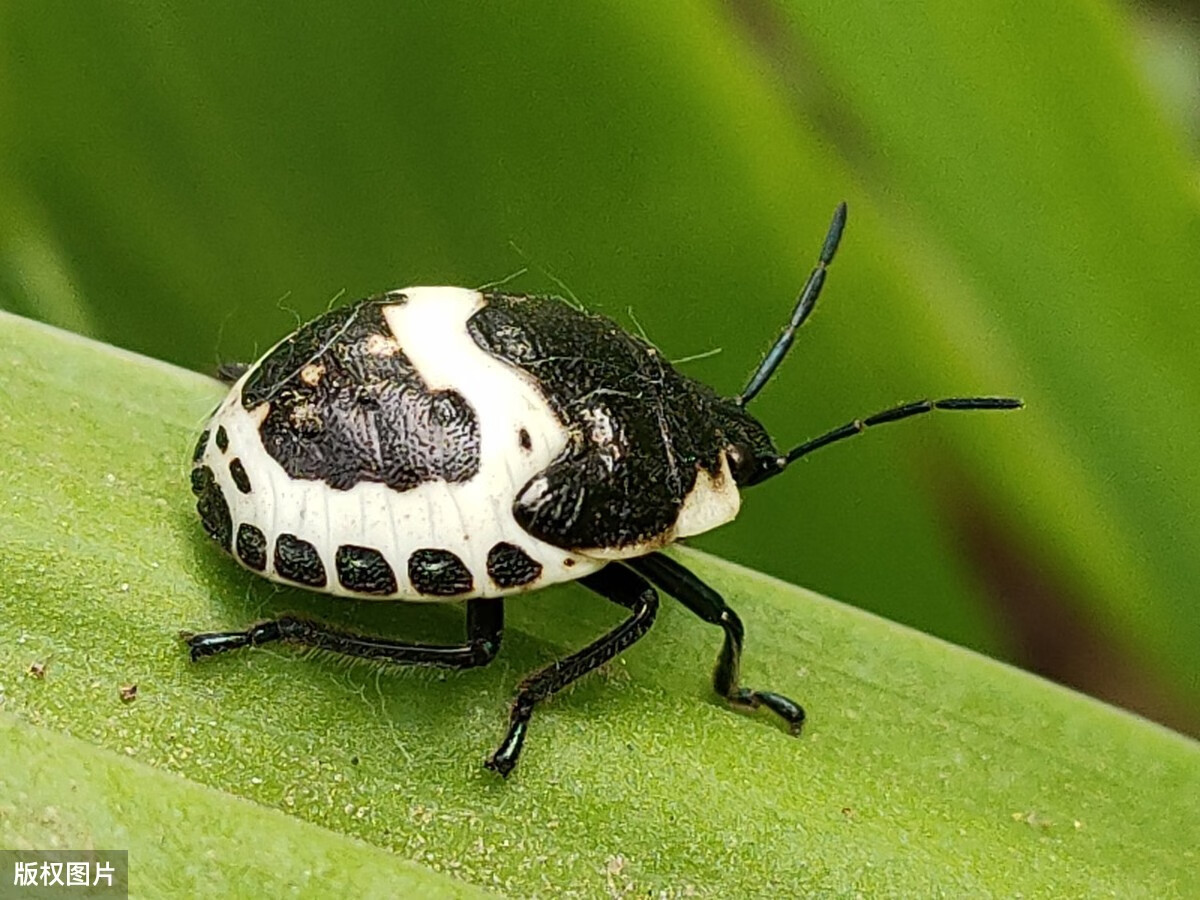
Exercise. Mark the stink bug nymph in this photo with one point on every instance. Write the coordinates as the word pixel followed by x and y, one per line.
pixel 444 444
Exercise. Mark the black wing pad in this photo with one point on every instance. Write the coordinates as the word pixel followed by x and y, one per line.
pixel 346 406
pixel 639 431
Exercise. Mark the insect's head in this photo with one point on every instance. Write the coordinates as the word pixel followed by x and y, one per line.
pixel 752 454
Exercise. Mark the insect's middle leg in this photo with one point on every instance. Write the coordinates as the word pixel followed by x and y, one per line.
pixel 701 599
pixel 485 627
pixel 619 585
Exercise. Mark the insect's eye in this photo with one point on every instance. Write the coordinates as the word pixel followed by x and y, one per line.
pixel 741 462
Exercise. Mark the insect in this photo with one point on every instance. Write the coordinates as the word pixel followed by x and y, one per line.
pixel 443 444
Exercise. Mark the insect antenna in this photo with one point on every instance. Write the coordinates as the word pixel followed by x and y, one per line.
pixel 804 306
pixel 895 414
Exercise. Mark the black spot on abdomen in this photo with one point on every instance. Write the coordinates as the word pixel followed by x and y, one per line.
pixel 211 504
pixel 524 439
pixel 298 561
pixel 238 472
pixel 201 446
pixel 252 546
pixel 439 573
pixel 510 566
pixel 222 439
pixel 364 569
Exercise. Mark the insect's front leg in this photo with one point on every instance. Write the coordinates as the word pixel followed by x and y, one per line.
pixel 705 602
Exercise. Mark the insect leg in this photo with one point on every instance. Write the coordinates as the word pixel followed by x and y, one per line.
pixel 701 599
pixel 619 585
pixel 485 625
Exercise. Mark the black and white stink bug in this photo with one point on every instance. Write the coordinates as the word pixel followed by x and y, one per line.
pixel 438 444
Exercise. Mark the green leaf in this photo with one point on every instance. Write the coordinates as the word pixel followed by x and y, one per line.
pixel 184 839
pixel 924 769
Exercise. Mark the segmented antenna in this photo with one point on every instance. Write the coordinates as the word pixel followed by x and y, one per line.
pixel 804 306
pixel 895 414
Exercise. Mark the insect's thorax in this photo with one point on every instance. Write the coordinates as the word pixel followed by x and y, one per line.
pixel 646 463
pixel 437 442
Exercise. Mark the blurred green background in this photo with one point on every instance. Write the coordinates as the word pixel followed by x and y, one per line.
pixel 1024 219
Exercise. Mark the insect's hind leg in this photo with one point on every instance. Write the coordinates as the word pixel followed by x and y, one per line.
pixel 619 585
pixel 485 627
pixel 705 602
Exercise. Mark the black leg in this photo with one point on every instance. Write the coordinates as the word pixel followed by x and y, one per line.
pixel 485 626
pixel 697 596
pixel 619 585
pixel 231 372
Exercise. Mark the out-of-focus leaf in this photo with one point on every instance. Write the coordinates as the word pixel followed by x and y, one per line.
pixel 1021 222
pixel 1048 217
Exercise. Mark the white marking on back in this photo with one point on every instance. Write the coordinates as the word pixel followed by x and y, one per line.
pixel 468 518
pixel 712 502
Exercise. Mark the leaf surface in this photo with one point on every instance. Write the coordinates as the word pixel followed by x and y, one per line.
pixel 924 768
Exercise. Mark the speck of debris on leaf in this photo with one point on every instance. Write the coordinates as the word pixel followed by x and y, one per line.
pixel 37 670
pixel 128 693
pixel 1033 819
